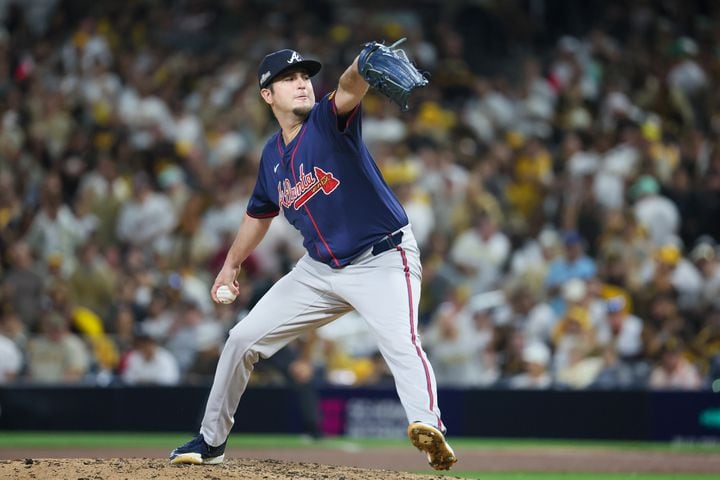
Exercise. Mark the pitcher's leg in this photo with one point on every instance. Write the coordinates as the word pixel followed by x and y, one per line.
pixel 388 300
pixel 287 310
pixel 231 377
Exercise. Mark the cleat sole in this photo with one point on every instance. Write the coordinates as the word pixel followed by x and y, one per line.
pixel 430 440
pixel 196 459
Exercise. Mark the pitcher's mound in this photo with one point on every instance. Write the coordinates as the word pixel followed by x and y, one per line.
pixel 159 469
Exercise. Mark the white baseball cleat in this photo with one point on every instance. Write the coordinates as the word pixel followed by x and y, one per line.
pixel 431 441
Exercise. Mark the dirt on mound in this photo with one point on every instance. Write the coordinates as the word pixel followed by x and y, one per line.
pixel 157 469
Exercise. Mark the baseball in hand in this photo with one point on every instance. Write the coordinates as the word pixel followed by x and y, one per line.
pixel 224 294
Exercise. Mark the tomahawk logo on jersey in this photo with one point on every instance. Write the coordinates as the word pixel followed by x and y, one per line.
pixel 339 219
pixel 306 188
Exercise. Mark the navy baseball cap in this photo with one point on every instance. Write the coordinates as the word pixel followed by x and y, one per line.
pixel 277 62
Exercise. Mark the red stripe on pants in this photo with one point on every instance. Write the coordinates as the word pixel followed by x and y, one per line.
pixel 406 268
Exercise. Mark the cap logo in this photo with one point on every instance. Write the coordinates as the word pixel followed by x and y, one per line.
pixel 295 57
pixel 264 77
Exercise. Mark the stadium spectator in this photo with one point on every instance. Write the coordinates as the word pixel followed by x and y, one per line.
pixel 657 214
pixel 573 264
pixel 11 208
pixel 11 358
pixel 706 344
pixel 670 273
pixel 573 333
pixel 402 178
pixel 480 252
pixel 123 326
pixel 581 370
pixel 579 293
pixel 147 219
pixel 458 342
pixel 56 355
pixel 615 373
pixel 13 328
pixel 536 357
pixel 55 230
pixel 149 364
pixel 439 275
pixel 21 285
pixel 92 284
pixel 192 334
pixel 674 371
pixel 687 78
pixel 531 261
pixel 510 344
pixel 622 331
pixel 158 317
pixel 705 259
pixel 524 311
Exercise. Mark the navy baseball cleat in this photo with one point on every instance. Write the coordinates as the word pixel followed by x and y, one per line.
pixel 198 452
pixel 431 441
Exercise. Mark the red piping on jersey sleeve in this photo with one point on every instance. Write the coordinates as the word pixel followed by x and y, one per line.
pixel 292 169
pixel 352 115
pixel 263 215
pixel 349 117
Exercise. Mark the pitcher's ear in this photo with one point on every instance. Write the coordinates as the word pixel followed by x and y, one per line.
pixel 266 94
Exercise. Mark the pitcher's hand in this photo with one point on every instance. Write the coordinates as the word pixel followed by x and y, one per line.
pixel 227 276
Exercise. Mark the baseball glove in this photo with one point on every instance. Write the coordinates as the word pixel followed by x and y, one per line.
pixel 388 70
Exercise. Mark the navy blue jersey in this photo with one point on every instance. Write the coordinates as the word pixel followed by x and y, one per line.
pixel 328 186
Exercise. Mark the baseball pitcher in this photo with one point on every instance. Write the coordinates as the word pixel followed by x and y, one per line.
pixel 361 253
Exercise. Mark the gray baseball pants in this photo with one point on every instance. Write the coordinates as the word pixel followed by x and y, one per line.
pixel 385 291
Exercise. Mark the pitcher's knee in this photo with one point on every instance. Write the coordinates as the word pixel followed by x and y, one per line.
pixel 251 357
pixel 240 339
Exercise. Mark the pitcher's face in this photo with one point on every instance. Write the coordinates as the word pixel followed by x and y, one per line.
pixel 292 91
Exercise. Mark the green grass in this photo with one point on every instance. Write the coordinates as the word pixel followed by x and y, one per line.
pixel 98 439
pixel 579 476
pixel 529 443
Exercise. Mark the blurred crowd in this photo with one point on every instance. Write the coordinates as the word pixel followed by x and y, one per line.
pixel 566 203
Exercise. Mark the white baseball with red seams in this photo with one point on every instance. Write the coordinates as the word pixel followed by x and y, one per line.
pixel 225 295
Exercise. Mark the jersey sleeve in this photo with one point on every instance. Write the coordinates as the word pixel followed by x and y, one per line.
pixel 261 204
pixel 348 124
